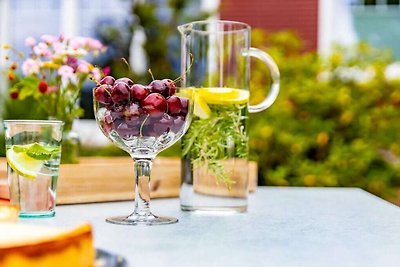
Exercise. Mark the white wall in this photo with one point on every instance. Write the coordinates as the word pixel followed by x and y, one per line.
pixel 335 25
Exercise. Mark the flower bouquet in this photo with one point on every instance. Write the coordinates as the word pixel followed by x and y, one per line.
pixel 53 75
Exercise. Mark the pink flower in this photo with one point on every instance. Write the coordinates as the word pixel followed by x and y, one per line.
pixel 59 48
pixel 106 70
pixel 30 41
pixel 77 42
pixel 49 39
pixel 30 67
pixel 79 52
pixel 61 37
pixel 52 89
pixel 72 62
pixel 66 72
pixel 94 44
pixel 96 74
pixel 41 49
pixel 83 67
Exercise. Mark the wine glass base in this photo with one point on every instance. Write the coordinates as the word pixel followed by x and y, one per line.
pixel 141 220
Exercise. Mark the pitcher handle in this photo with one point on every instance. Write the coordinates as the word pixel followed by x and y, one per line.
pixel 273 71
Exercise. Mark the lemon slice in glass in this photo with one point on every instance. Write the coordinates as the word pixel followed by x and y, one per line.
pixel 201 109
pixel 23 164
pixel 224 96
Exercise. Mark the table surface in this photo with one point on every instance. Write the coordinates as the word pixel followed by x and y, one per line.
pixel 283 227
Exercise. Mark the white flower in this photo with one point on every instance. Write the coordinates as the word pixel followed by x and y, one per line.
pixel 66 73
pixel 83 67
pixel 30 41
pixel 59 48
pixel 392 72
pixel 49 39
pixel 76 52
pixel 324 76
pixel 30 66
pixel 77 42
pixel 355 74
pixel 41 49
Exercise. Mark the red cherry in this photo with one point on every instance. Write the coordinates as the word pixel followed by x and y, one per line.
pixel 166 119
pixel 178 124
pixel 107 80
pixel 108 117
pixel 120 92
pixel 157 86
pixel 165 87
pixel 139 92
pixel 185 104
pixel 43 87
pixel 14 95
pixel 170 84
pixel 161 128
pixel 118 108
pixel 102 94
pixel 154 104
pixel 125 80
pixel 174 105
pixel 131 110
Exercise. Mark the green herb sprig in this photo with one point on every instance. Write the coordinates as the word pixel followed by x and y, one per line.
pixel 209 141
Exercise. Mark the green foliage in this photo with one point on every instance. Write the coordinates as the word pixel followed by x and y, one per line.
pixel 162 43
pixel 334 122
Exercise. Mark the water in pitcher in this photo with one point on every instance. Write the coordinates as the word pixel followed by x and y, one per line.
pixel 215 59
pixel 215 168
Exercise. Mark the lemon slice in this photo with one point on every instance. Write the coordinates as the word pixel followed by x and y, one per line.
pixel 23 164
pixel 224 96
pixel 201 109
pixel 219 92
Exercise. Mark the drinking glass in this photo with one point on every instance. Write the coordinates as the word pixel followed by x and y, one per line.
pixel 215 148
pixel 142 124
pixel 33 151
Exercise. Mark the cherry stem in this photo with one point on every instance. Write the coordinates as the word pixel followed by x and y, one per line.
pixel 151 73
pixel 127 64
pixel 190 66
pixel 141 126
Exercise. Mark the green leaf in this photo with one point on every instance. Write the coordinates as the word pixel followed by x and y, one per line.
pixel 28 87
pixel 40 152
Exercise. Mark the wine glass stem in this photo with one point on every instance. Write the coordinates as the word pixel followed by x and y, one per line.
pixel 142 190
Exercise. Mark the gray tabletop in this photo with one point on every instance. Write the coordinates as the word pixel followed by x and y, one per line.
pixel 283 227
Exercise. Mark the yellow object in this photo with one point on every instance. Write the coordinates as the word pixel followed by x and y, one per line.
pixel 32 246
pixel 224 96
pixel 201 109
pixel 23 164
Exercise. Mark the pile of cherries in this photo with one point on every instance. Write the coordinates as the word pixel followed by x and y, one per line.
pixel 139 110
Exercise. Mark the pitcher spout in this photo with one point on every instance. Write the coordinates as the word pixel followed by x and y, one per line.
pixel 185 29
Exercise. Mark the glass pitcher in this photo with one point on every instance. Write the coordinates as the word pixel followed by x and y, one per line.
pixel 215 61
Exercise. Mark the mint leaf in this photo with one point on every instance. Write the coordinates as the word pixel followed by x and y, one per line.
pixel 19 149
pixel 39 152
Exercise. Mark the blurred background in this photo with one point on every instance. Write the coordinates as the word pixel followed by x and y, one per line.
pixel 336 120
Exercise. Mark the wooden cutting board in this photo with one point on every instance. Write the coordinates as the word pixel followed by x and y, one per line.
pixel 99 179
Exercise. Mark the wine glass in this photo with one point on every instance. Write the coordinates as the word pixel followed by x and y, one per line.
pixel 142 120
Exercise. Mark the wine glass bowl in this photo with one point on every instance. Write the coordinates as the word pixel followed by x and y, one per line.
pixel 142 120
